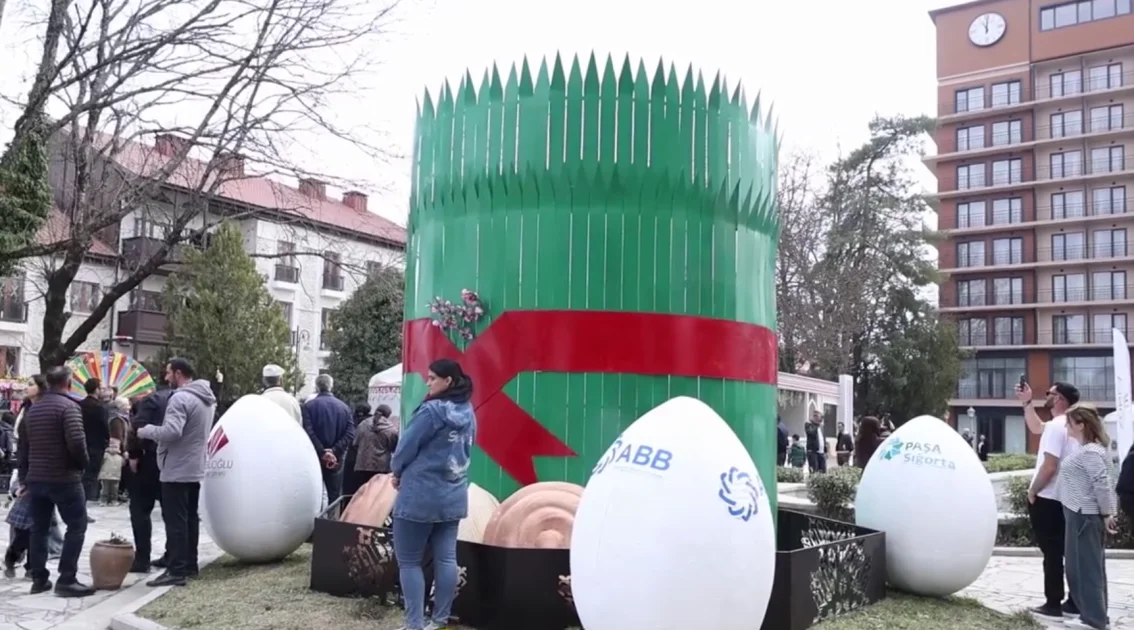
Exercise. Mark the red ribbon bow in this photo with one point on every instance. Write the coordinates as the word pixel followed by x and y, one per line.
pixel 652 344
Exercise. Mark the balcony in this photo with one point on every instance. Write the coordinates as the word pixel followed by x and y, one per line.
pixel 1079 337
pixel 1043 257
pixel 1083 210
pixel 1005 179
pixel 138 250
pixel 14 310
pixel 986 392
pixel 1015 300
pixel 144 326
pixel 1028 97
pixel 287 273
pixel 333 283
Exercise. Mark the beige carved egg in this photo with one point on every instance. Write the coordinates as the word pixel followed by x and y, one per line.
pixel 539 516
pixel 482 505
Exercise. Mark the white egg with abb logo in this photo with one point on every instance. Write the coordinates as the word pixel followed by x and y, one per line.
pixel 926 488
pixel 263 487
pixel 674 529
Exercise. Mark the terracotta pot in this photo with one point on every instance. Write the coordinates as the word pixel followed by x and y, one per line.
pixel 110 562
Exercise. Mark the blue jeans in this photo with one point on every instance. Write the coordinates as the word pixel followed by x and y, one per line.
pixel 71 501
pixel 410 541
pixel 1086 566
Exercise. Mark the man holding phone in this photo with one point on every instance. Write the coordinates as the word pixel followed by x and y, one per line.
pixel 1045 512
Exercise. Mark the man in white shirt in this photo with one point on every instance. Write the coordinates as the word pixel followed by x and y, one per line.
pixel 274 391
pixel 1044 509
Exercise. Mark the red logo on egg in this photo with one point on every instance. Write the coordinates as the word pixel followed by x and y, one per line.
pixel 217 442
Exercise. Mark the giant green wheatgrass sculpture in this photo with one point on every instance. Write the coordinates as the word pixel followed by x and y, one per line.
pixel 620 234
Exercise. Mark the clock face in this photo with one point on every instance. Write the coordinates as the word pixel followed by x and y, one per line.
pixel 987 29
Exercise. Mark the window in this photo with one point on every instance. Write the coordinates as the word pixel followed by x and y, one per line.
pixel 969 138
pixel 1108 159
pixel 1080 12
pixel 1110 200
pixel 141 300
pixel 970 293
pixel 374 268
pixel 1007 251
pixel 1007 211
pixel 1103 325
pixel 971 214
pixel 1108 285
pixel 1008 291
pixel 1106 118
pixel 987 377
pixel 1007 93
pixel 1007 132
pixel 285 308
pixel 1094 376
pixel 1066 164
pixel 1007 171
pixel 970 254
pixel 1071 287
pixel 85 296
pixel 1067 205
pixel 332 271
pixel 970 176
pixel 1070 246
pixel 1008 331
pixel 972 332
pixel 1105 77
pixel 325 327
pixel 970 100
pixel 287 266
pixel 1066 83
pixel 12 305
pixel 1109 243
pixel 1067 124
pixel 1068 329
pixel 9 361
pixel 145 226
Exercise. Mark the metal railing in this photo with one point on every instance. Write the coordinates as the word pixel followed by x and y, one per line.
pixel 1008 392
pixel 333 283
pixel 1066 253
pixel 14 310
pixel 1088 125
pixel 1027 94
pixel 1021 174
pixel 1080 210
pixel 1010 299
pixel 1017 338
pixel 1078 336
pixel 287 273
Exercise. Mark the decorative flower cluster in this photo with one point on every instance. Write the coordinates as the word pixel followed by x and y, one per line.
pixel 459 317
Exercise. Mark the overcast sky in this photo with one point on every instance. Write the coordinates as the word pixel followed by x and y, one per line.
pixel 829 65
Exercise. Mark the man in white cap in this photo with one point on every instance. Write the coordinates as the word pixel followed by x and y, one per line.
pixel 274 391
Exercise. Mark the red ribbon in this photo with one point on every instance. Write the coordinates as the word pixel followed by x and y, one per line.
pixel 652 344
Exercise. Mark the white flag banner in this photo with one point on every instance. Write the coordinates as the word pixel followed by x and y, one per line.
pixel 1124 409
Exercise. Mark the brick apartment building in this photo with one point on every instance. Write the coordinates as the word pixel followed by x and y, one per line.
pixel 1035 165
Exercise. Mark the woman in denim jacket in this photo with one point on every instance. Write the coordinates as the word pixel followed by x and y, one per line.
pixel 431 472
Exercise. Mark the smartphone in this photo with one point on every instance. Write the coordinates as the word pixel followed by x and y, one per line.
pixel 1023 381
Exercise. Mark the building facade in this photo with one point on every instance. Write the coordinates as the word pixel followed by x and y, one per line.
pixel 312 250
pixel 1035 162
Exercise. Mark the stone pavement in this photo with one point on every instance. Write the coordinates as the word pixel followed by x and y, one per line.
pixel 1012 584
pixel 21 611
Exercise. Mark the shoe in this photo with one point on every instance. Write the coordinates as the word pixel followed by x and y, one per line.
pixel 139 567
pixel 1049 610
pixel 160 563
pixel 73 589
pixel 40 587
pixel 90 520
pixel 1070 610
pixel 433 625
pixel 167 579
pixel 9 569
pixel 1078 624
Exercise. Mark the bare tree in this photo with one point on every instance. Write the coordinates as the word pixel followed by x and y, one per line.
pixel 802 232
pixel 157 106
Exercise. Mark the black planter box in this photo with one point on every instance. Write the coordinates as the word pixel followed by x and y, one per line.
pixel 824 568
pixel 352 560
pixel 514 589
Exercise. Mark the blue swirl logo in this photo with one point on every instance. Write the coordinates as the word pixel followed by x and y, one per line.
pixel 739 493
pixel 608 457
pixel 892 450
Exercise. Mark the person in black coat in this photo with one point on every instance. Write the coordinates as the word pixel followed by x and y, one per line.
pixel 145 490
pixel 781 441
pixel 1126 485
pixel 96 426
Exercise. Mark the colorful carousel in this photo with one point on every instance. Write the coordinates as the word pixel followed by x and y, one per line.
pixel 114 369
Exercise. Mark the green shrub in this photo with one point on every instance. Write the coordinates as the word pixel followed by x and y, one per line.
pixel 1017 533
pixel 1005 462
pixel 833 492
pixel 786 474
pixel 1018 495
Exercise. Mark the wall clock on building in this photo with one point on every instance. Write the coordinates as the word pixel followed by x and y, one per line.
pixel 987 29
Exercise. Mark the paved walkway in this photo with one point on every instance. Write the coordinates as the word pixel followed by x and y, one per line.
pixel 1012 584
pixel 21 611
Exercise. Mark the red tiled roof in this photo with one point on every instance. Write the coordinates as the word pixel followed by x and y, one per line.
pixel 56 229
pixel 262 192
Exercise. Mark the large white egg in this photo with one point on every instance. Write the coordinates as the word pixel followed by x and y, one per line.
pixel 926 488
pixel 674 530
pixel 262 486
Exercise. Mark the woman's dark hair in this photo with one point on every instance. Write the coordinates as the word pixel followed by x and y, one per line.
pixel 8 418
pixel 361 410
pixel 384 411
pixel 40 382
pixel 460 390
pixel 868 438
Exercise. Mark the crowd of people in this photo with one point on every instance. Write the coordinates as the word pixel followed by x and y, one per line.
pixel 106 449
pixel 811 452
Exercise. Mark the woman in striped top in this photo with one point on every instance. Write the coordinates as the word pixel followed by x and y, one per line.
pixel 1088 499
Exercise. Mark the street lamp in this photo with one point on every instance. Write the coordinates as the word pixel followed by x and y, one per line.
pixel 971 413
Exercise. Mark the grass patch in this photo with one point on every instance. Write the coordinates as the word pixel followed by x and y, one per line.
pixel 234 596
pixel 1006 462
pixel 908 612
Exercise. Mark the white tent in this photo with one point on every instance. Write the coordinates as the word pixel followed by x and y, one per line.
pixel 386 388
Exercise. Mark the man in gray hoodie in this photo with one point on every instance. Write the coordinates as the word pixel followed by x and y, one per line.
pixel 181 438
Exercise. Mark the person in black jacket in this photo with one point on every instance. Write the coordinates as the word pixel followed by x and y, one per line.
pixel 781 441
pixel 146 489
pixel 816 443
pixel 1125 487
pixel 96 426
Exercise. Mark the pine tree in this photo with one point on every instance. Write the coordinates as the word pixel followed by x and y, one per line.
pixel 366 334
pixel 25 198
pixel 222 318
